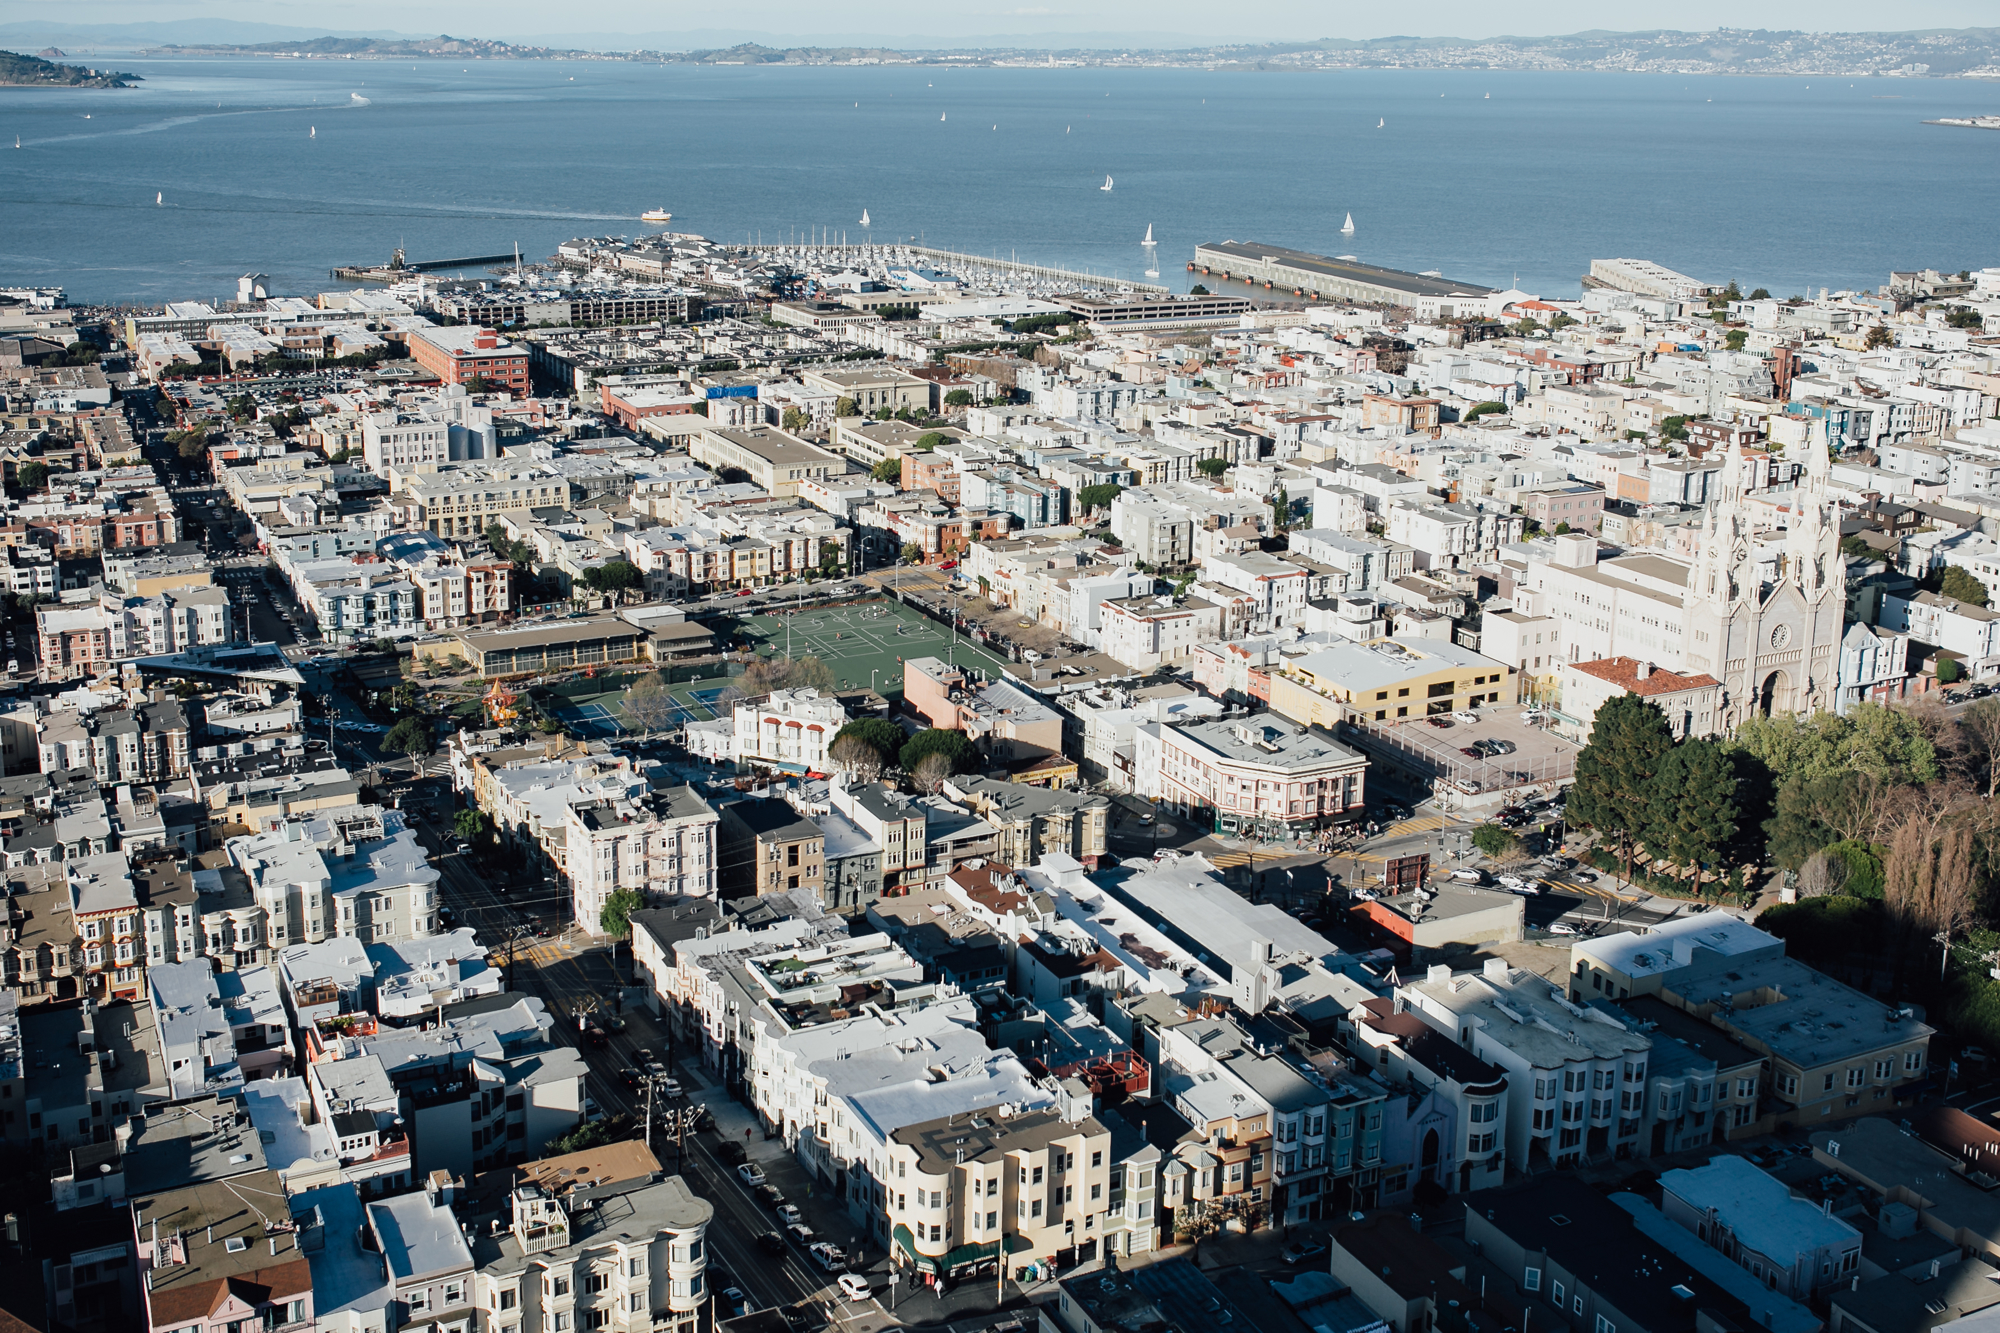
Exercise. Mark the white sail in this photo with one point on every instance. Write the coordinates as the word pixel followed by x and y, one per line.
pixel 1106 185
pixel 1380 123
pixel 1347 227
pixel 160 197
pixel 312 132
pixel 864 218
pixel 1149 236
pixel 940 115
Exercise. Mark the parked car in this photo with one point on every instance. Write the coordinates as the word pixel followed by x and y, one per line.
pixel 770 1242
pixel 734 1299
pixel 1469 876
pixel 827 1255
pixel 789 1214
pixel 1300 1250
pixel 1472 752
pixel 1466 715
pixel 854 1287
pixel 1562 928
pixel 801 1234
pixel 1441 723
pixel 771 1197
pixel 751 1174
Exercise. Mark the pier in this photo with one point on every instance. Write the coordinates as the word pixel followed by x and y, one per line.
pixel 955 259
pixel 397 269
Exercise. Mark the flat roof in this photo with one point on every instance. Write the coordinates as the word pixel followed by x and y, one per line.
pixel 1346 270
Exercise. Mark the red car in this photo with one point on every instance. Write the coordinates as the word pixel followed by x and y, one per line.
pixel 744 592
pixel 949 564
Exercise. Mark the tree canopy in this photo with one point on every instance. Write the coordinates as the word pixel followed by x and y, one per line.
pixel 412 736
pixel 1959 584
pixel 1099 497
pixel 883 737
pixel 954 746
pixel 1494 840
pixel 615 918
pixel 32 476
pixel 1691 812
pixel 613 576
pixel 889 469
pixel 1628 741
pixel 1887 744
pixel 1212 467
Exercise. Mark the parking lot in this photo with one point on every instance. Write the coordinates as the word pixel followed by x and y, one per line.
pixel 1484 760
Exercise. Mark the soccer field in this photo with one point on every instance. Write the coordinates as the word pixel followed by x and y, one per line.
pixel 866 643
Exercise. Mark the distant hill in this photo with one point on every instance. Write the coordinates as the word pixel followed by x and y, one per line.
pixel 444 45
pixel 20 71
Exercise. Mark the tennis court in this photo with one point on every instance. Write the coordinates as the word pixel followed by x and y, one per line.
pixel 866 644
pixel 593 712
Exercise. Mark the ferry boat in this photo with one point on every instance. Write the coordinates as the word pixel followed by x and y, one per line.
pixel 659 215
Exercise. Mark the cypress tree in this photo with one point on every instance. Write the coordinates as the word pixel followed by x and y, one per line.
pixel 1614 773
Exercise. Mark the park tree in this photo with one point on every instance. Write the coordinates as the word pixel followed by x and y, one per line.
pixel 856 757
pixel 883 738
pixel 958 398
pixel 1614 773
pixel 616 576
pixel 192 444
pixel 1495 841
pixel 1888 744
pixel 1099 497
pixel 648 706
pixel 930 440
pixel 615 917
pixel 1931 881
pixel 1981 726
pixel 1959 584
pixel 955 746
pixel 412 736
pixel 32 477
pixel 930 772
pixel 1212 467
pixel 829 559
pixel 846 407
pixel 889 469
pixel 1674 428
pixel 912 553
pixel 1691 814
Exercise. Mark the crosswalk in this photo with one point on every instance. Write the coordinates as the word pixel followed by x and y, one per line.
pixel 545 953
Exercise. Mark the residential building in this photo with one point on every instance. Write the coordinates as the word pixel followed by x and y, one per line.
pixel 775 461
pixel 891 821
pixel 1971 632
pixel 1449 1130
pixel 1032 822
pixel 1388 680
pixel 599 1239
pixel 1576 1080
pixel 963 1192
pixel 1784 1241
pixel 789 730
pixel 767 847
pixel 1149 632
pixel 1257 776
pixel 1833 1051
pixel 660 845
pixel 425 1258
pixel 1568 1248
pixel 209 1256
pixel 1007 722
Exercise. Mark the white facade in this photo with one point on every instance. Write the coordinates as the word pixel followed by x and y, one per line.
pixel 790 727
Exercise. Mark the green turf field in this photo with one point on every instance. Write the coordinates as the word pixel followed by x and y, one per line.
pixel 863 640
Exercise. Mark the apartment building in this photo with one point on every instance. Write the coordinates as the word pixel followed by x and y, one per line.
pixel 451 596
pixel 767 847
pixel 1783 1241
pixel 965 1192
pixel 1832 1051
pixel 662 845
pixel 1450 1128
pixel 892 822
pixel 353 871
pixel 1257 776
pixel 1576 1079
pixel 1154 631
pixel 1153 531
pixel 789 730
pixel 464 499
pixel 775 461
pixel 208 1257
pixel 599 1239
pixel 404 439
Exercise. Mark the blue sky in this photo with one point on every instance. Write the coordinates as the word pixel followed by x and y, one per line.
pixel 1114 20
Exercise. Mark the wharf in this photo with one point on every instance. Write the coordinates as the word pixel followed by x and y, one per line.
pixel 396 272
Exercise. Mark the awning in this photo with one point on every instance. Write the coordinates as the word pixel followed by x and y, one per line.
pixel 962 1256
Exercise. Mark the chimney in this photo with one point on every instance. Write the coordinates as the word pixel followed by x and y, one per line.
pixel 1644 671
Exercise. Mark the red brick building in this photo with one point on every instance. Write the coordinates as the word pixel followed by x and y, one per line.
pixel 461 355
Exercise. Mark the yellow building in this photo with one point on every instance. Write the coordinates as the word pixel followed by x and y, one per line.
pixel 1388 680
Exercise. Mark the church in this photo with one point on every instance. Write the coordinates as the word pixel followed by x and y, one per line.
pixel 1760 610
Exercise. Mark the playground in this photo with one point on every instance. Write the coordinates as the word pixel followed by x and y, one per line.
pixel 865 644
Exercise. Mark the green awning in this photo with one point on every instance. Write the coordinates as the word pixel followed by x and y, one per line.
pixel 962 1256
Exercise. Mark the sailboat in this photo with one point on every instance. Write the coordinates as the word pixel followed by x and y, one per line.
pixel 940 115
pixel 312 131
pixel 17 141
pixel 1380 123
pixel 160 198
pixel 1347 227
pixel 864 217
pixel 1489 96
pixel 1107 184
pixel 1149 236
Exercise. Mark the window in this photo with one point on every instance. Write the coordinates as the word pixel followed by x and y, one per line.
pixel 1531 1280
pixel 636 1267
pixel 558 1286
pixel 1605 1325
pixel 454 1292
pixel 506 1298
pixel 1034 1209
pixel 1576 1302
pixel 561 1321
pixel 1556 1293
pixel 419 1299
pixel 1038 1175
pixel 1827 1084
pixel 595 1282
